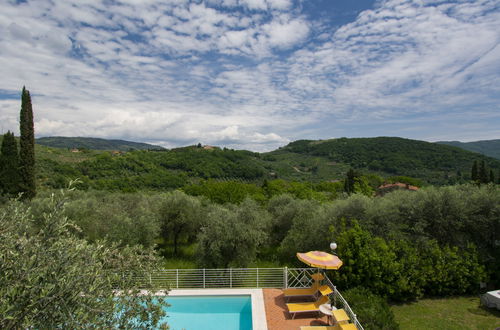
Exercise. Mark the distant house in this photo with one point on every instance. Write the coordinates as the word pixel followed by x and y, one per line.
pixel 208 147
pixel 388 187
pixel 75 150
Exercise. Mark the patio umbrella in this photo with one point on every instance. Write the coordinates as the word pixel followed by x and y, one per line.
pixel 320 259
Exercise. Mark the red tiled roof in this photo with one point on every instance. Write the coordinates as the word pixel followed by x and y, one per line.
pixel 398 185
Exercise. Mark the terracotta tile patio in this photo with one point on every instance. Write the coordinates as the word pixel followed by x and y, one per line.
pixel 278 317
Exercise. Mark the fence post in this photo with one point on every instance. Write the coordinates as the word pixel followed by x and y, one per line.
pixel 286 277
pixel 335 295
pixel 257 277
pixel 150 282
pixel 203 278
pixel 231 278
pixel 177 278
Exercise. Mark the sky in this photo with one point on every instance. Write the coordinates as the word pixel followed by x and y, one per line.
pixel 252 74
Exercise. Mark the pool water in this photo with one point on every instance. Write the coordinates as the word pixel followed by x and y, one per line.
pixel 209 312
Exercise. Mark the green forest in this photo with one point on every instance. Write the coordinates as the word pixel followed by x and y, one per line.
pixel 315 164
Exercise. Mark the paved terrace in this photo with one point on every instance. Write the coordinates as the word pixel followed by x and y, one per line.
pixel 268 301
pixel 278 317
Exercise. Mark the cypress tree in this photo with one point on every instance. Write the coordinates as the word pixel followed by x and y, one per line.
pixel 483 174
pixel 473 172
pixel 349 181
pixel 27 147
pixel 9 166
pixel 492 176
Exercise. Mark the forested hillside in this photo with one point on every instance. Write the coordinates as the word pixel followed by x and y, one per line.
pixel 93 143
pixel 433 163
pixel 489 148
pixel 309 162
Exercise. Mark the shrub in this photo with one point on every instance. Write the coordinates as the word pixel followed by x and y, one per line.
pixel 373 311
pixel 53 279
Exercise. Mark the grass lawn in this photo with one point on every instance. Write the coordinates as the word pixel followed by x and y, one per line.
pixel 446 313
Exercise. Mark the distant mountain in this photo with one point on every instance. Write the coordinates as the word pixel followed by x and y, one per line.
pixel 434 163
pixel 486 147
pixel 93 143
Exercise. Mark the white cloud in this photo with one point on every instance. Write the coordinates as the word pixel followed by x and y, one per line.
pixel 288 33
pixel 244 73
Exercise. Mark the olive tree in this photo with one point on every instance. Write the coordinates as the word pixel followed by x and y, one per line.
pixel 179 214
pixel 127 219
pixel 232 236
pixel 53 279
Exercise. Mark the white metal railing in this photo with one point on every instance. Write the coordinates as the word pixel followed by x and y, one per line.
pixel 217 278
pixel 243 278
pixel 340 302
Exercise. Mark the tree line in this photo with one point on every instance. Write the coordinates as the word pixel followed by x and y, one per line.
pixel 480 173
pixel 404 245
pixel 17 168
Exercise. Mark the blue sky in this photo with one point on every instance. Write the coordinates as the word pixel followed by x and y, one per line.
pixel 253 74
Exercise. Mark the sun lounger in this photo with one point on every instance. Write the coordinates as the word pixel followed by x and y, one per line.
pixel 349 326
pixel 305 292
pixel 304 307
pixel 324 290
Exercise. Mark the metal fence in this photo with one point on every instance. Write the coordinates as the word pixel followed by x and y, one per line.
pixel 218 278
pixel 340 302
pixel 243 278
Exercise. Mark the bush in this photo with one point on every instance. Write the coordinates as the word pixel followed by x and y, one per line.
pixel 128 219
pixel 373 311
pixel 232 236
pixel 53 279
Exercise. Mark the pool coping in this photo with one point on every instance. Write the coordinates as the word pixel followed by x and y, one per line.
pixel 259 321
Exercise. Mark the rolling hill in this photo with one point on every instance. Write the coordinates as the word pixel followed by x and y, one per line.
pixel 93 143
pixel 304 161
pixel 433 163
pixel 489 148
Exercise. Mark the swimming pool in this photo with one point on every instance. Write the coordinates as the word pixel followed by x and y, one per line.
pixel 209 312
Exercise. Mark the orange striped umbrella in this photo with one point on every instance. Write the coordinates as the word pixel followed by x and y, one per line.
pixel 320 259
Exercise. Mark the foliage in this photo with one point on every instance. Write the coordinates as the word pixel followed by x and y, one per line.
pixel 222 192
pixel 232 236
pixel 297 189
pixel 52 279
pixel 474 175
pixel 129 172
pixel 303 166
pixel 127 219
pixel 309 230
pixel 404 245
pixel 489 148
pixel 180 215
pixel 434 163
pixel 450 271
pixel 350 180
pixel 9 166
pixel 402 272
pixel 286 211
pixel 27 147
pixel 213 163
pixel 389 269
pixel 373 311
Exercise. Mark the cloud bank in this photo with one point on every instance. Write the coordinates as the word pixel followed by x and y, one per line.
pixel 251 74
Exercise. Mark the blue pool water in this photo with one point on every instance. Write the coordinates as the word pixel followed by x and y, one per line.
pixel 209 313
